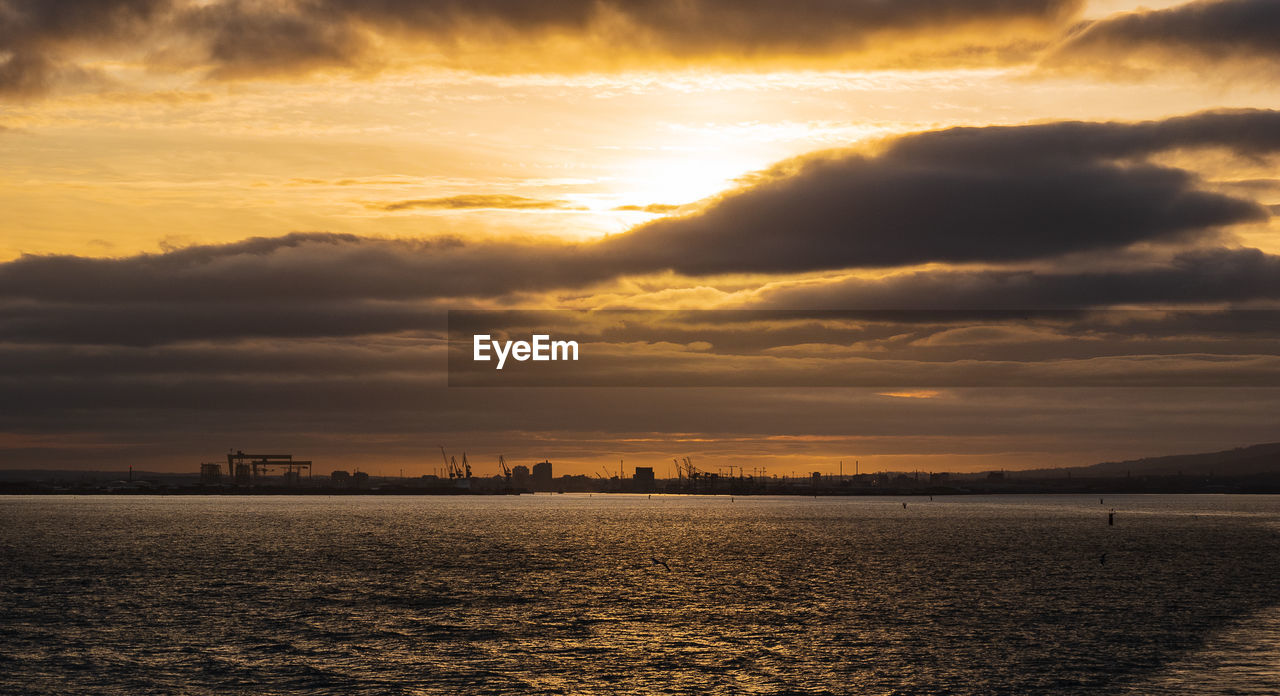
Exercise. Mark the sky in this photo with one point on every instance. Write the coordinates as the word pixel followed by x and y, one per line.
pixel 240 224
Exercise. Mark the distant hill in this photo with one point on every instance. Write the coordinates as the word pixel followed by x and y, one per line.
pixel 1256 459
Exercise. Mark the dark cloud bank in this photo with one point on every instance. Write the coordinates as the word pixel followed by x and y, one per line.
pixel 327 333
pixel 43 42
pixel 234 38
pixel 1197 34
pixel 1009 194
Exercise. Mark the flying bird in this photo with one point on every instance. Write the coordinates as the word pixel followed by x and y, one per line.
pixel 658 562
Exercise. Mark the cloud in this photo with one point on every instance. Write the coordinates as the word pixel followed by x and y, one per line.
pixel 1009 194
pixel 500 201
pixel 1202 276
pixel 305 267
pixel 1249 133
pixel 23 74
pixel 44 43
pixel 244 39
pixel 302 35
pixel 325 290
pixel 655 208
pixel 883 211
pixel 1198 35
pixel 39 40
pixel 915 394
pixel 934 347
pixel 963 195
pixel 987 334
pixel 330 344
pixel 233 39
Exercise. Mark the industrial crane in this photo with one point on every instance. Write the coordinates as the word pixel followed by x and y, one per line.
pixel 447 464
pixel 456 471
pixel 686 469
pixel 506 470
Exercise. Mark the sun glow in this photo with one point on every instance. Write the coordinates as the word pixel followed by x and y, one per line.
pixel 681 177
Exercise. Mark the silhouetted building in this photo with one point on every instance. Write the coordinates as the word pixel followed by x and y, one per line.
pixel 340 478
pixel 360 480
pixel 520 477
pixel 643 478
pixel 542 476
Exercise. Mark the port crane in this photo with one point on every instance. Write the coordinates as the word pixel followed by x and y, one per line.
pixel 506 470
pixel 686 469
pixel 456 471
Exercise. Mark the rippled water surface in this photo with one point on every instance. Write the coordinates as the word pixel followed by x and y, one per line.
pixel 569 594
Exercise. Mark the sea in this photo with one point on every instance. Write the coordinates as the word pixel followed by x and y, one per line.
pixel 636 594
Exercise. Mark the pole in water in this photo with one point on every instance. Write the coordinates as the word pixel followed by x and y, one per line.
pixel 1111 518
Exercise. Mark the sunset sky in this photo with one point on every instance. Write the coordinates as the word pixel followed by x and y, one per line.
pixel 239 224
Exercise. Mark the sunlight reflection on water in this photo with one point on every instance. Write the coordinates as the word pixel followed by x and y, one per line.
pixel 569 594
